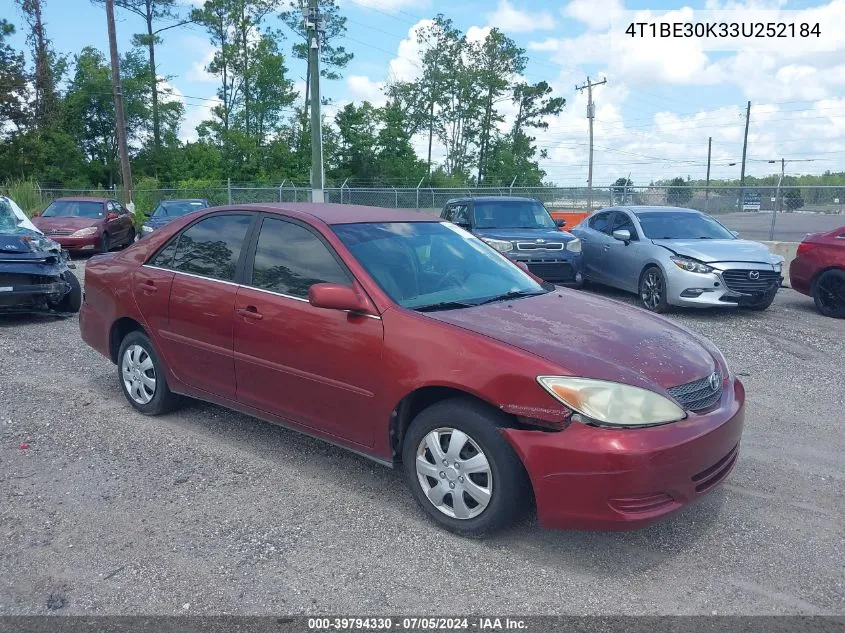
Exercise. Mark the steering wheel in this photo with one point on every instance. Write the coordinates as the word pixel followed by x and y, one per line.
pixel 450 276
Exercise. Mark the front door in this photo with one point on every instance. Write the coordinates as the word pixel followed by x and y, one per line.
pixel 198 333
pixel 316 367
pixel 594 240
pixel 624 262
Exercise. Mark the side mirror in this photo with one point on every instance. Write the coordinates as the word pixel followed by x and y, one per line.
pixel 560 223
pixel 623 235
pixel 338 297
pixel 111 215
pixel 735 233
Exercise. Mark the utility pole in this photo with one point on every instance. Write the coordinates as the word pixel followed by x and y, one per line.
pixel 591 113
pixel 707 186
pixel 119 121
pixel 313 24
pixel 744 148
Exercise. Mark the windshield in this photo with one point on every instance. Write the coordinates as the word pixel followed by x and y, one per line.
pixel 666 225
pixel 424 264
pixel 177 208
pixel 73 209
pixel 512 214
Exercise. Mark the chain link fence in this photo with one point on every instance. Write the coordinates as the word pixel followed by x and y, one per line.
pixel 758 212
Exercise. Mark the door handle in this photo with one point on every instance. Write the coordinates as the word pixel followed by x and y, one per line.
pixel 250 312
pixel 148 286
pixel 607 247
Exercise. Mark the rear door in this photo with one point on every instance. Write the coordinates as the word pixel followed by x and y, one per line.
pixel 624 262
pixel 198 333
pixel 594 238
pixel 317 367
pixel 115 226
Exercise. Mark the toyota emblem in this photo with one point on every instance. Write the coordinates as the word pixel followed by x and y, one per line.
pixel 541 241
pixel 754 274
pixel 714 381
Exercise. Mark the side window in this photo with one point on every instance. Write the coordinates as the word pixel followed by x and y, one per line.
pixel 289 259
pixel 624 222
pixel 448 212
pixel 212 246
pixel 461 215
pixel 164 258
pixel 601 222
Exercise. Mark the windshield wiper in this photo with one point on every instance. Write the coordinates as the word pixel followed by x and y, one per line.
pixel 444 305
pixel 513 294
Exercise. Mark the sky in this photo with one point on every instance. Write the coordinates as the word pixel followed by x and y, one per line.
pixel 662 101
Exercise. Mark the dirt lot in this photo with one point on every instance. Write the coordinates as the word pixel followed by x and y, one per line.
pixel 207 511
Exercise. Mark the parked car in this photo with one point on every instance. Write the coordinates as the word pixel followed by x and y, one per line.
pixel 168 210
pixel 89 225
pixel 818 270
pixel 670 256
pixel 410 341
pixel 34 271
pixel 523 230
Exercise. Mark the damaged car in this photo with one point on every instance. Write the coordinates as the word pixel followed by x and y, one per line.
pixel 35 272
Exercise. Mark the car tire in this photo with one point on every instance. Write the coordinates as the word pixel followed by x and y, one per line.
pixel 492 498
pixel 829 293
pixel 104 243
pixel 72 301
pixel 141 376
pixel 764 304
pixel 130 238
pixel 652 290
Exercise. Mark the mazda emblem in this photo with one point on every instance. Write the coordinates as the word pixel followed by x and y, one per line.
pixel 714 381
pixel 754 274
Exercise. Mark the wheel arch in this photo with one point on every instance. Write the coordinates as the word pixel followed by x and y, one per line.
pixel 821 272
pixel 118 331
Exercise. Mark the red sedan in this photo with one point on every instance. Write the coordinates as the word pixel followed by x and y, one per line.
pixel 89 225
pixel 412 342
pixel 818 270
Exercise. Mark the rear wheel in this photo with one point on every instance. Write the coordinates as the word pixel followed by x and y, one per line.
pixel 461 470
pixel 130 238
pixel 829 293
pixel 142 376
pixel 653 290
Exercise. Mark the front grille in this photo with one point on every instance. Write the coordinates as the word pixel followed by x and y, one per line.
pixel 740 281
pixel 58 232
pixel 534 246
pixel 551 271
pixel 698 394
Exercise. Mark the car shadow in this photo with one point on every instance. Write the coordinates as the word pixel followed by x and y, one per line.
pixel 19 319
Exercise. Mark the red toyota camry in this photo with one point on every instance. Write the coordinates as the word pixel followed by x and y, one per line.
pixel 818 270
pixel 410 341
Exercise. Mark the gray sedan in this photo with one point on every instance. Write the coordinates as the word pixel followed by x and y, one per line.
pixel 671 256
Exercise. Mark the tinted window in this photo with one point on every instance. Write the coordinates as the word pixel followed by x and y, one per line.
pixel 623 222
pixel 176 208
pixel 289 259
pixel 682 225
pixel 461 215
pixel 211 247
pixel 601 222
pixel 448 212
pixel 512 214
pixel 164 258
pixel 74 209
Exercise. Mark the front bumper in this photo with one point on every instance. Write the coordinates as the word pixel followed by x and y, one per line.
pixel 562 267
pixel 683 290
pixel 28 297
pixel 616 479
pixel 89 243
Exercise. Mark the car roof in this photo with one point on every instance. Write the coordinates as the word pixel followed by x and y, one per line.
pixel 169 200
pixel 492 199
pixel 338 213
pixel 639 209
pixel 82 199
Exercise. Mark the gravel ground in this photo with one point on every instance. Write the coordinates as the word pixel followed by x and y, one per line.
pixel 208 511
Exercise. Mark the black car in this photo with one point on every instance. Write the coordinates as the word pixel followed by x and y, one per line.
pixel 35 273
pixel 523 230
pixel 168 210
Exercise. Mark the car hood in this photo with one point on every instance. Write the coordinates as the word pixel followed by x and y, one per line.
pixel 711 251
pixel 24 246
pixel 528 235
pixel 64 224
pixel 592 337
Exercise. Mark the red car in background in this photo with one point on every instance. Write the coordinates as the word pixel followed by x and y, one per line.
pixel 90 225
pixel 412 342
pixel 818 270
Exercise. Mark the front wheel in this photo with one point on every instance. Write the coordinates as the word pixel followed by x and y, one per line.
pixel 652 290
pixel 130 238
pixel 104 243
pixel 461 470
pixel 142 376
pixel 829 293
pixel 72 301
pixel 765 303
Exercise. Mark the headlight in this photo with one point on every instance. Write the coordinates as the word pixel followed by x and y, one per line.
pixel 91 230
pixel 690 265
pixel 612 403
pixel 574 246
pixel 146 229
pixel 502 246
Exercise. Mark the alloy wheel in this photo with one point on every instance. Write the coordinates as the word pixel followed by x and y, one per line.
pixel 652 289
pixel 454 473
pixel 138 372
pixel 831 291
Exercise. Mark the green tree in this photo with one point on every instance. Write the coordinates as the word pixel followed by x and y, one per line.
pixel 679 192
pixel 356 152
pixel 49 66
pixel 792 199
pixel 14 110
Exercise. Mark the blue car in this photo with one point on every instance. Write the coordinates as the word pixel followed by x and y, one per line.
pixel 523 230
pixel 168 210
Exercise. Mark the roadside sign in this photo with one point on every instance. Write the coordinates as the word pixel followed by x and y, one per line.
pixel 751 201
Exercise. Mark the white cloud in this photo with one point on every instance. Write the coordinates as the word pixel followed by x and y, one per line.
pixel 391 6
pixel 203 53
pixel 596 14
pixel 404 66
pixel 362 88
pixel 508 18
pixel 478 33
